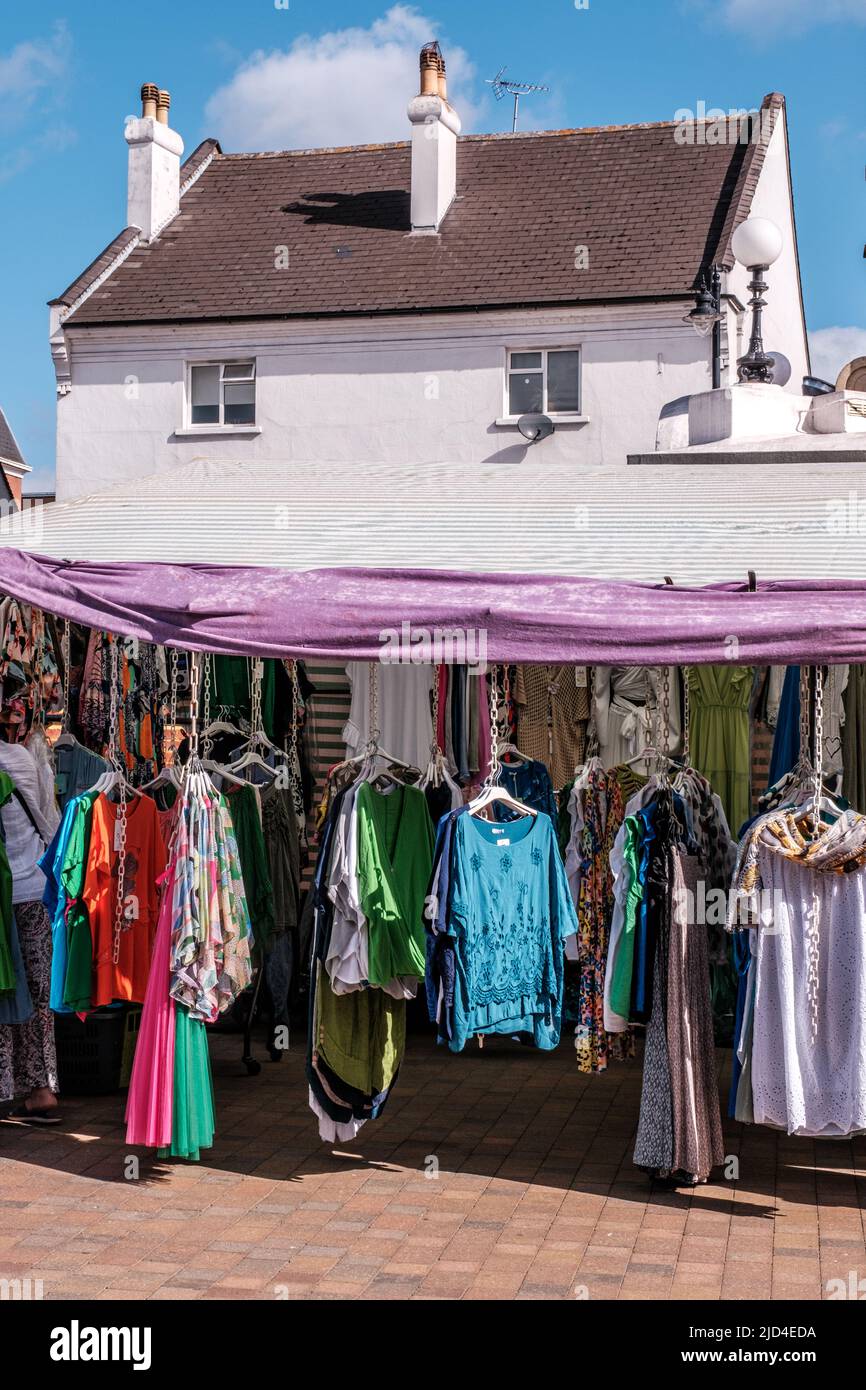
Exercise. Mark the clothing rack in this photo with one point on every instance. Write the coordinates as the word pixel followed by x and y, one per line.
pixel 809 767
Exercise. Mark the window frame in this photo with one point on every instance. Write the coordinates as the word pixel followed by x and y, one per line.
pixel 544 353
pixel 222 425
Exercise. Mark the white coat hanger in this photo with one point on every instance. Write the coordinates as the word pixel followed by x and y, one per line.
pixel 115 780
pixel 257 737
pixel 491 793
pixel 437 773
pixel 218 770
pixel 514 752
pixel 248 759
pixel 167 776
pixel 367 770
pixel 650 754
pixel 221 725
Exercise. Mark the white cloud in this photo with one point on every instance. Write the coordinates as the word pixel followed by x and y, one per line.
pixel 20 155
pixel 33 80
pixel 347 87
pixel 760 15
pixel 831 348
pixel 32 75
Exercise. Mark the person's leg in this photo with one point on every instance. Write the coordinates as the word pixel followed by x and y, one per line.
pixel 7 1079
pixel 34 1056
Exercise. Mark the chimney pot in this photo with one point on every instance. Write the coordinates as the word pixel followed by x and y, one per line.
pixel 435 128
pixel 153 181
pixel 443 85
pixel 149 98
pixel 430 61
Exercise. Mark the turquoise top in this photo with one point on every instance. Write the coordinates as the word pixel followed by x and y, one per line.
pixel 54 898
pixel 510 912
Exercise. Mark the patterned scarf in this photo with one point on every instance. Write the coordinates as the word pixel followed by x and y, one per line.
pixel 837 849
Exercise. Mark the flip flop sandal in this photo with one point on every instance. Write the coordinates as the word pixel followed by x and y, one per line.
pixel 34 1117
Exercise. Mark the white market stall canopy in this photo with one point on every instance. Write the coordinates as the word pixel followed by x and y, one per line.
pixel 552 562
pixel 700 524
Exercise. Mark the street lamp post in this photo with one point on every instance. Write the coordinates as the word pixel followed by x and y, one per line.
pixel 757 244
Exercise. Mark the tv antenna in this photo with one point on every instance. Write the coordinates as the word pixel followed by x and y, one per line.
pixel 503 86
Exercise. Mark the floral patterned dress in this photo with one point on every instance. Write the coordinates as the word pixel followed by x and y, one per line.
pixel 604 799
pixel 211 933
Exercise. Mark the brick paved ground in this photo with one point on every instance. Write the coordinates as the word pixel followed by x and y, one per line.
pixel 536 1197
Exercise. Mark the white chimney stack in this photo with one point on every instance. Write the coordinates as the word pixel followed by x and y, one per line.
pixel 435 127
pixel 153 188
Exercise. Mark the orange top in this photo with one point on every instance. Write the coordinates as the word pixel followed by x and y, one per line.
pixel 145 863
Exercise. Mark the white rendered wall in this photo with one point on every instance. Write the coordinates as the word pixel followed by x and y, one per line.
pixel 408 391
pixel 412 390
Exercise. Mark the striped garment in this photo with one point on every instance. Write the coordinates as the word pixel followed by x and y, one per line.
pixel 328 711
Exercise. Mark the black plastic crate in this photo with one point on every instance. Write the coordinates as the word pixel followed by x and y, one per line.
pixel 90 1052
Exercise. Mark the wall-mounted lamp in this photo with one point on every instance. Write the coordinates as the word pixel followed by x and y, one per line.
pixel 706 317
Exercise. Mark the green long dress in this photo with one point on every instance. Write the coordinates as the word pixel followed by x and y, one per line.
pixel 255 868
pixel 719 735
pixel 620 992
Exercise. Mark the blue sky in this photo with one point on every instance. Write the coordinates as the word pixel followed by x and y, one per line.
pixel 268 74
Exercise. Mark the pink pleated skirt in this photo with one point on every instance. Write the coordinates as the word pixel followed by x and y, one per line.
pixel 149 1103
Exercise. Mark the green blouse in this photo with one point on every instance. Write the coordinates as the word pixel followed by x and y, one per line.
pixel 395 860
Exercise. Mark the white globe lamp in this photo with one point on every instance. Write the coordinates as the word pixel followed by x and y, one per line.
pixel 757 243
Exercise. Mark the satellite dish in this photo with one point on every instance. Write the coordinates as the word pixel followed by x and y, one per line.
pixel 781 368
pixel 814 386
pixel 535 427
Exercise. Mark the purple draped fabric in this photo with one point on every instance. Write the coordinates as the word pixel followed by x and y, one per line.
pixel 350 613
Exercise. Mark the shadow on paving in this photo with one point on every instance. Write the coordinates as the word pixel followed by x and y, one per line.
pixel 507 1112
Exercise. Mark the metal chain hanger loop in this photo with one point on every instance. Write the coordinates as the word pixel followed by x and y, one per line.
pixel 121 823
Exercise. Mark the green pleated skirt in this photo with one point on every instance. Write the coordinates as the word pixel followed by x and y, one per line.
pixel 192 1127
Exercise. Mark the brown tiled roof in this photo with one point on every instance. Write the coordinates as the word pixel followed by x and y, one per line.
pixel 651 212
pixel 97 267
pixel 8 444
pixel 124 239
pixel 200 155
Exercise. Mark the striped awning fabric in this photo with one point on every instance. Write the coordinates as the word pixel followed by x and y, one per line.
pixel 699 524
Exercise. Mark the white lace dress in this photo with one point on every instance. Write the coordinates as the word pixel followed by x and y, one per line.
pixel 805 1086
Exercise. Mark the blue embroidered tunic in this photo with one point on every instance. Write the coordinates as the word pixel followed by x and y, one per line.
pixel 510 912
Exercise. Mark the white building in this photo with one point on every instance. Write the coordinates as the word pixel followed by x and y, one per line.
pixel 406 303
